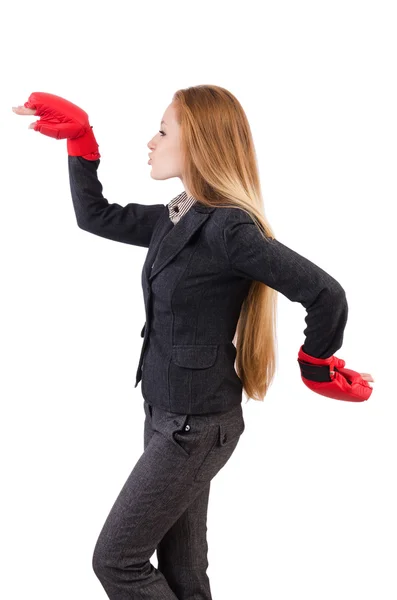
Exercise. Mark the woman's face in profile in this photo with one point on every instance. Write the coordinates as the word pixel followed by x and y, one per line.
pixel 165 151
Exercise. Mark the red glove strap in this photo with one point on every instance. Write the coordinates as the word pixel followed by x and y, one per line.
pixel 336 382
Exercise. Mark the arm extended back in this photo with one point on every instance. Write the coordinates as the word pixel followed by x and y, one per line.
pixel 293 275
pixel 131 224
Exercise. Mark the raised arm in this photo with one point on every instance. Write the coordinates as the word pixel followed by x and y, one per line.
pixel 62 119
pixel 131 224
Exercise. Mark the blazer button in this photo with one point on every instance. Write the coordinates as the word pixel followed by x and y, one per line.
pixel 187 427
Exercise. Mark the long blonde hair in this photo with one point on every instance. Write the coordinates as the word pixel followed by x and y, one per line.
pixel 220 170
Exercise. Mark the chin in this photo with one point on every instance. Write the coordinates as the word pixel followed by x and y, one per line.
pixel 159 177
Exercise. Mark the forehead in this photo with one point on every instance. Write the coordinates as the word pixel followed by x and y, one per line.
pixel 168 117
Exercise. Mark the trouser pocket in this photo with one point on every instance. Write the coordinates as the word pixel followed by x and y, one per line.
pixel 189 433
pixel 148 409
pixel 226 436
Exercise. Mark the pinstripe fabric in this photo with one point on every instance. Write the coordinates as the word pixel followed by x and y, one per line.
pixel 179 206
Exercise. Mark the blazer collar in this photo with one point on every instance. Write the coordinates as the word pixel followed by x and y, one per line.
pixel 169 239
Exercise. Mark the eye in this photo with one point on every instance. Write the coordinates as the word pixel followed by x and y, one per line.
pixel 160 131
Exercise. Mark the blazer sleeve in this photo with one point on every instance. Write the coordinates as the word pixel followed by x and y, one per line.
pixel 300 280
pixel 130 224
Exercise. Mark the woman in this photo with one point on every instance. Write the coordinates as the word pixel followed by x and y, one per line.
pixel 211 276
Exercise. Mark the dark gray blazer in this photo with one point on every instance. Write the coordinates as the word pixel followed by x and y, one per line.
pixel 195 278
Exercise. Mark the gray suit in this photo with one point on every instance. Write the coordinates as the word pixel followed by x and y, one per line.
pixel 195 278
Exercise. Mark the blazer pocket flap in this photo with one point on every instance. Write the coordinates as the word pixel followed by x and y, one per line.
pixel 194 356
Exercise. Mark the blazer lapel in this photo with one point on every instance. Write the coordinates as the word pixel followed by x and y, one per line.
pixel 171 239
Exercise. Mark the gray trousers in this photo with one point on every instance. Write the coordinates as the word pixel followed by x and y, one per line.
pixel 163 507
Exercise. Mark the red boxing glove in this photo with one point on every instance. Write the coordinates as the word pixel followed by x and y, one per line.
pixel 62 119
pixel 328 377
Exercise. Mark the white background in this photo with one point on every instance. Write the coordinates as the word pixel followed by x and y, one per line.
pixel 307 505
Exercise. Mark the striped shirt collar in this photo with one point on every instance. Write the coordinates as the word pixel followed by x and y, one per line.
pixel 179 206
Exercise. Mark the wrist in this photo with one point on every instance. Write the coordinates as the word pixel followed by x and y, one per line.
pixel 84 145
pixel 318 369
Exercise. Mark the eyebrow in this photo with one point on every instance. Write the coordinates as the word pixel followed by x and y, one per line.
pixel 163 122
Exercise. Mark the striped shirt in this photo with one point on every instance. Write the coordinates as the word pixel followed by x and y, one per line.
pixel 179 206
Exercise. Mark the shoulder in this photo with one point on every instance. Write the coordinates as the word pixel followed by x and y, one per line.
pixel 226 217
